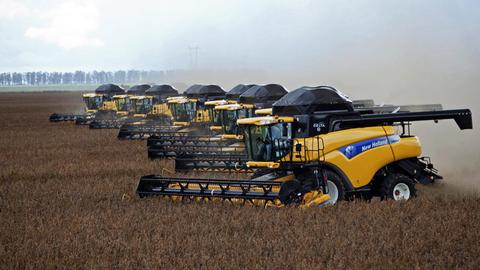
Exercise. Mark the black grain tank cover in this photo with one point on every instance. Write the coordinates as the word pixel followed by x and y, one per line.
pixel 263 96
pixel 236 91
pixel 204 91
pixel 307 100
pixel 138 89
pixel 191 88
pixel 109 90
pixel 162 91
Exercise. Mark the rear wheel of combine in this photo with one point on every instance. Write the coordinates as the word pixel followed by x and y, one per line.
pixel 397 187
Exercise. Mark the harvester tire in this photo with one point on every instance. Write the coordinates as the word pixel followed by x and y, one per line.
pixel 335 187
pixel 398 187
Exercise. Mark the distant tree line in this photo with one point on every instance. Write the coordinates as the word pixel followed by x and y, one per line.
pixel 82 77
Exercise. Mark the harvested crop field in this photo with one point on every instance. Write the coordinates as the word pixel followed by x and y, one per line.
pixel 67 200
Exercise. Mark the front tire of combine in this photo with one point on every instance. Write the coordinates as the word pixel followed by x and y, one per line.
pixel 397 187
pixel 335 187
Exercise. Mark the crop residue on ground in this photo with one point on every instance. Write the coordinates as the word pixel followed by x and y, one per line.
pixel 67 200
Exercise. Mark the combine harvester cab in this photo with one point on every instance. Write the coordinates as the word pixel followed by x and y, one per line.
pixel 150 112
pixel 316 148
pixel 189 112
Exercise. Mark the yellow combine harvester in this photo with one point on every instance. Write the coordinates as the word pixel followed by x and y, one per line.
pixel 316 149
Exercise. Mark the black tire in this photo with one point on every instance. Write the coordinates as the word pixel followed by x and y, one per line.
pixel 393 185
pixel 310 183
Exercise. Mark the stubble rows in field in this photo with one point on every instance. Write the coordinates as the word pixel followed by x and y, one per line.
pixel 67 200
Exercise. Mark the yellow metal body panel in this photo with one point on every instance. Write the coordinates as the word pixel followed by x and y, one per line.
pixel 161 109
pixel 109 106
pixel 265 120
pixel 139 115
pixel 180 123
pixel 180 99
pixel 314 198
pixel 201 116
pixel 232 136
pixel 91 111
pixel 263 164
pixel 216 102
pixel 409 147
pixel 90 95
pixel 122 113
pixel 141 97
pixel 234 107
pixel 216 128
pixel 267 111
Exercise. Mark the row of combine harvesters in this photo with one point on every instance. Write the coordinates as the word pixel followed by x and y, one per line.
pixel 310 146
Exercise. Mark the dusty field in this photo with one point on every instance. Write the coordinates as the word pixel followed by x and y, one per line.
pixel 67 201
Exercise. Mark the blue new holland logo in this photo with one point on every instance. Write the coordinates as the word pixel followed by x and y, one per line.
pixel 352 150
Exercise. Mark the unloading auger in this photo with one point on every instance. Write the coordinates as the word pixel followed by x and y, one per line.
pixel 189 115
pixel 316 148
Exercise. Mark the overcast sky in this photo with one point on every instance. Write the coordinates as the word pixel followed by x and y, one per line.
pixel 241 34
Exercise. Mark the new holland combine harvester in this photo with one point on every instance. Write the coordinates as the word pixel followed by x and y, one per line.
pixel 228 146
pixel 141 104
pixel 101 99
pixel 191 113
pixel 316 148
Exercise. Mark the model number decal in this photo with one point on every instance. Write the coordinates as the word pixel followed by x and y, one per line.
pixel 352 150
